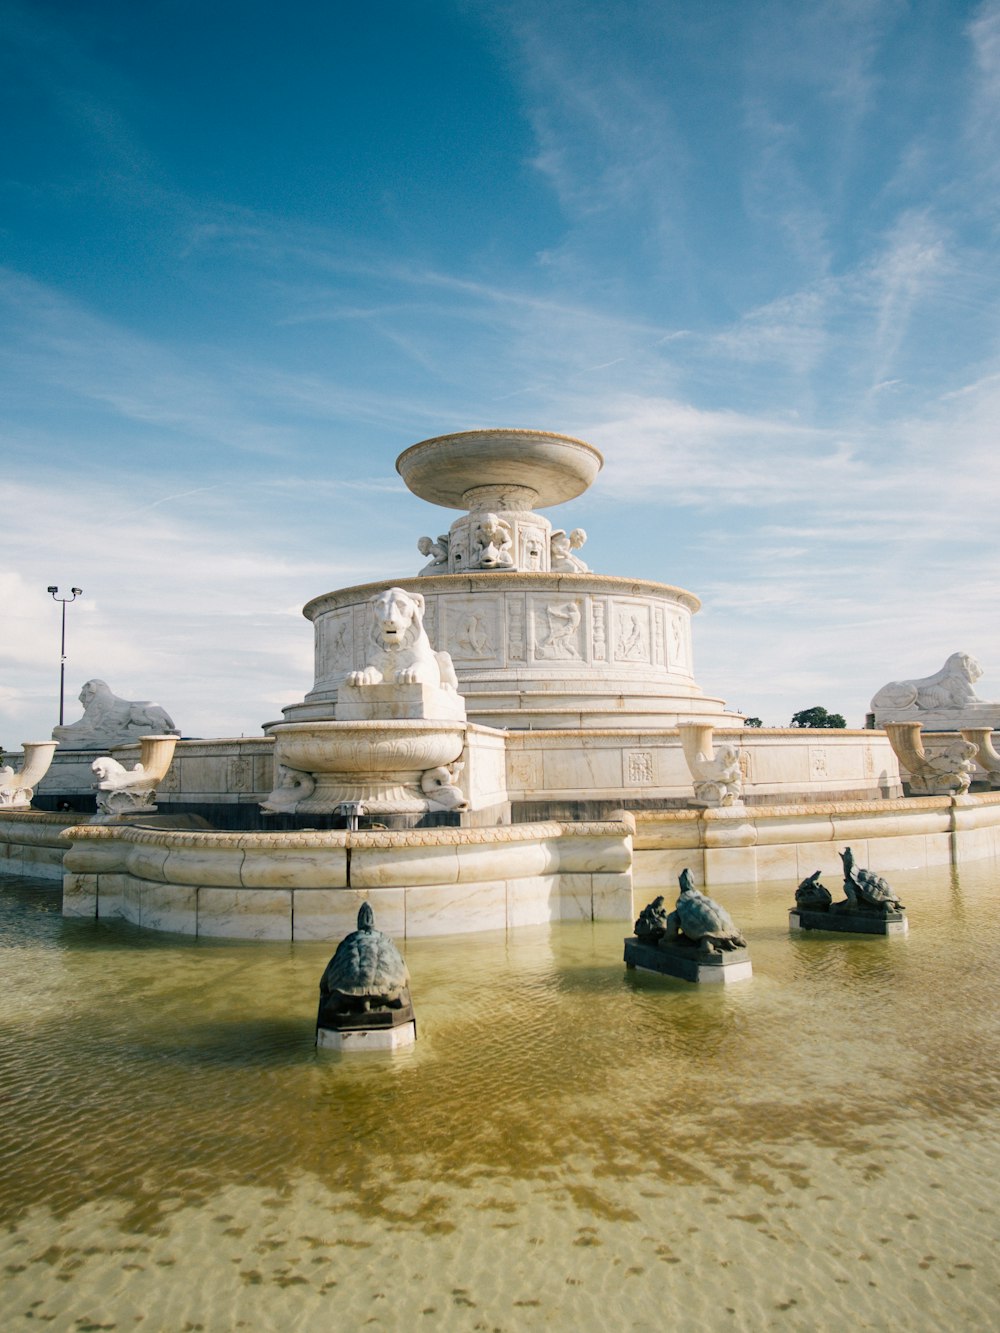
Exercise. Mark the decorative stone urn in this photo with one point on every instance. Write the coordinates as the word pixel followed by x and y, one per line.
pixel 717 776
pixel 382 764
pixel 947 772
pixel 986 753
pixel 128 791
pixel 398 733
pixel 17 789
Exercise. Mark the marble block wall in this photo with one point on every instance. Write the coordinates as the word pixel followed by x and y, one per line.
pixel 633 768
pixel 786 843
pixel 308 885
pixel 31 842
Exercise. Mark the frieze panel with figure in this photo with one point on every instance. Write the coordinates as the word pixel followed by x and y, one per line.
pixel 559 630
pixel 473 630
pixel 678 645
pixel 630 640
pixel 335 648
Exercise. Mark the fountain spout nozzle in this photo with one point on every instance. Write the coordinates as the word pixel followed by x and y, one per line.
pixel 353 812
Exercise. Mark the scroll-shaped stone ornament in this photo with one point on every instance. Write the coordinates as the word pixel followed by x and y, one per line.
pixel 17 789
pixel 717 776
pixel 126 791
pixel 986 754
pixel 947 773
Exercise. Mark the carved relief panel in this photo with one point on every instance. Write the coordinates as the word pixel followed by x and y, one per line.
pixel 558 629
pixel 630 637
pixel 239 774
pixel 678 643
pixel 335 646
pixel 599 610
pixel 515 628
pixel 638 768
pixel 524 771
pixel 473 630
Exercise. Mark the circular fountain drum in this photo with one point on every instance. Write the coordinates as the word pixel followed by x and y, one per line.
pixel 534 650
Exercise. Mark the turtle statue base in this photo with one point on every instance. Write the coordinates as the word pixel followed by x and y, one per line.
pixel 380 1038
pixel 687 961
pixel 848 919
pixel 385 1028
pixel 869 906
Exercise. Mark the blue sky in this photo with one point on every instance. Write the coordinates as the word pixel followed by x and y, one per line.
pixel 250 252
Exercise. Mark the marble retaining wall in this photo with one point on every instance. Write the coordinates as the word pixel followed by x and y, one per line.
pixel 626 767
pixel 778 764
pixel 787 843
pixel 31 842
pixel 309 885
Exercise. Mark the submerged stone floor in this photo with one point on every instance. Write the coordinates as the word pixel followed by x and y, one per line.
pixel 568 1145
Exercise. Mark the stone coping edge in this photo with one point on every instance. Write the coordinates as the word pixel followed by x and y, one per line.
pixel 891 806
pixel 362 839
pixel 504 580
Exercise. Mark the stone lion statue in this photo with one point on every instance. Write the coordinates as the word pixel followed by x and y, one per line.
pixel 951 687
pixel 400 652
pixel 108 720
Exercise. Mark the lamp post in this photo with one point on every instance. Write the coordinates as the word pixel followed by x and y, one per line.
pixel 53 593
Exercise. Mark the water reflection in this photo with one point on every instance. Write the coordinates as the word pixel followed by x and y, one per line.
pixel 168 1083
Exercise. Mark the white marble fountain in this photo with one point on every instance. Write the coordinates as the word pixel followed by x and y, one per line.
pixel 502 739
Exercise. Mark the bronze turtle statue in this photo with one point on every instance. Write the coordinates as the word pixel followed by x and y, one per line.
pixel 703 921
pixel 367 972
pixel 653 921
pixel 812 894
pixel 865 888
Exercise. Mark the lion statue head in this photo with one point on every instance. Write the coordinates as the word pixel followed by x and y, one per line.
pixel 397 618
pixel 400 652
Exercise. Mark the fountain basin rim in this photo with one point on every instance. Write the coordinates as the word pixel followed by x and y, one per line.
pixel 557 584
pixel 304 838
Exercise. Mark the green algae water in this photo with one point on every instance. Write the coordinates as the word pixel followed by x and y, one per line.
pixel 568 1145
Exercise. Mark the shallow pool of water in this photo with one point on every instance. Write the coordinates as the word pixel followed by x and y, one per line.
pixel 568 1145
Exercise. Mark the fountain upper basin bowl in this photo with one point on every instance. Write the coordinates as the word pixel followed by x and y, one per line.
pixel 555 467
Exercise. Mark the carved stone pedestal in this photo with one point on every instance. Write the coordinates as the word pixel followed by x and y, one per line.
pixel 687 963
pixel 367 1039
pixel 848 923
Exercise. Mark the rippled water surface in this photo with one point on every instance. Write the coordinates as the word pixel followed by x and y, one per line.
pixel 567 1146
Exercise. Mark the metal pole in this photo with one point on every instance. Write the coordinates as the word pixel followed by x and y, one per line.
pixel 62 665
pixel 77 592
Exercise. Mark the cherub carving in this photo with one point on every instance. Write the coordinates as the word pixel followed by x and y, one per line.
pixel 437 551
pixel 561 548
pixel 493 541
